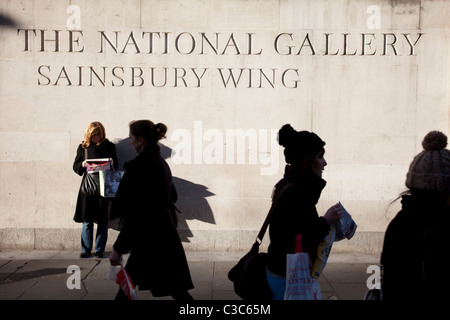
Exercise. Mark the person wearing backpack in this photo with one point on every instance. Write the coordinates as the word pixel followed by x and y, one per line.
pixel 414 248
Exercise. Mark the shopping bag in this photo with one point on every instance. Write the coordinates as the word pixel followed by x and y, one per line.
pixel 109 183
pixel 124 281
pixel 122 278
pixel 299 283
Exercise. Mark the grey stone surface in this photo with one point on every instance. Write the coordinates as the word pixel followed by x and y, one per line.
pixel 43 275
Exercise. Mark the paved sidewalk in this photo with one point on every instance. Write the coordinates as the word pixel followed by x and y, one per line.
pixel 43 275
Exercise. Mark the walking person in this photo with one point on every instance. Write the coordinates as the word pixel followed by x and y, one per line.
pixel 295 211
pixel 415 243
pixel 92 208
pixel 144 200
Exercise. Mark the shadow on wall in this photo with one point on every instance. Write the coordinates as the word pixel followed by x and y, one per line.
pixel 6 21
pixel 192 200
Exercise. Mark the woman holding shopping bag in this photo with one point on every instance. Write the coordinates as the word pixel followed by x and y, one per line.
pixel 91 207
pixel 144 200
pixel 296 211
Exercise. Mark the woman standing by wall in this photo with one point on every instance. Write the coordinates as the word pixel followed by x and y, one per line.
pixel 144 200
pixel 92 207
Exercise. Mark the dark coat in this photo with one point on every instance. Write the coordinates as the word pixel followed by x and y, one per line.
pixel 403 248
pixel 93 208
pixel 157 260
pixel 296 213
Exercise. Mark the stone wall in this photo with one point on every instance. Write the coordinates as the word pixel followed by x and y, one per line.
pixel 370 77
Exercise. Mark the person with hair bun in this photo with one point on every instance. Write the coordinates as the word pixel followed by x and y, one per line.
pixel 296 211
pixel 416 240
pixel 144 201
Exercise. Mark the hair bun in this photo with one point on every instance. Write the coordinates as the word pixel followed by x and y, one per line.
pixel 286 135
pixel 434 140
pixel 161 128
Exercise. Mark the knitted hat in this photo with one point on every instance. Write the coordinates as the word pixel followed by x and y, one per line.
pixel 430 169
pixel 298 145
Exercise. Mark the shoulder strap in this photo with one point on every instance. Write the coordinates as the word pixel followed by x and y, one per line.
pixel 275 199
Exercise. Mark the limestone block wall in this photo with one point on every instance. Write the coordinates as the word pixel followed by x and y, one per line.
pixel 370 77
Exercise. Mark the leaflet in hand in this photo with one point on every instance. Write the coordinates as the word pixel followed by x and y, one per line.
pixel 346 227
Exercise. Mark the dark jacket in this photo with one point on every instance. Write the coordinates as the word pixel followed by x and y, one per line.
pixel 157 260
pixel 296 213
pixel 405 248
pixel 93 208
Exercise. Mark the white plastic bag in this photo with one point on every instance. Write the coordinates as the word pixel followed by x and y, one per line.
pixel 112 273
pixel 299 283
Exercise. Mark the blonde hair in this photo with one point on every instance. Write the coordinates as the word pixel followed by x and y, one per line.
pixel 93 128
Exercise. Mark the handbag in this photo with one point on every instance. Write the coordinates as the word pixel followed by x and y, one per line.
pixel 249 274
pixel 90 184
pixel 299 283
pixel 90 181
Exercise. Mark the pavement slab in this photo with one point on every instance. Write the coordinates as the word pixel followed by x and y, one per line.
pixel 47 275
